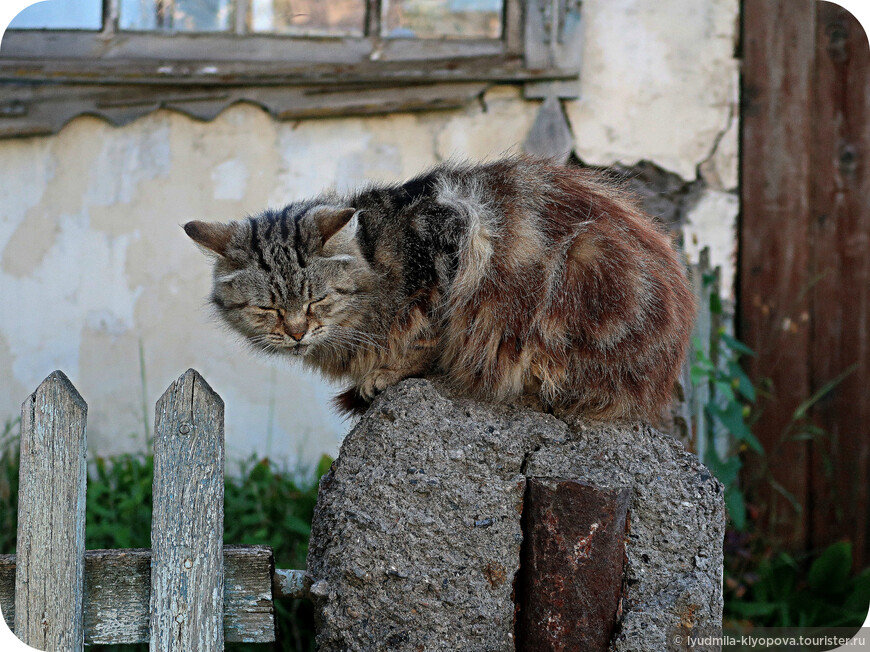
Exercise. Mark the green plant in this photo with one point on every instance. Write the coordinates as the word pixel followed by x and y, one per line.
pixel 118 513
pixel 268 506
pixel 727 410
pixel 9 459
pixel 780 590
pixel 764 587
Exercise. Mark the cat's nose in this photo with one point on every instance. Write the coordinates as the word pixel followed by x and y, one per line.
pixel 295 328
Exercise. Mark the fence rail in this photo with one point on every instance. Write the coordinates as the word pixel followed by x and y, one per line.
pixel 188 592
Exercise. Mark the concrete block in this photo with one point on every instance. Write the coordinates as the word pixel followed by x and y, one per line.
pixel 416 539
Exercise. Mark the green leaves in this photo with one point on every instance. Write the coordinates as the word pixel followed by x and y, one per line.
pixel 732 418
pixel 830 572
pixel 736 507
pixel 741 381
pixel 820 592
pixel 730 392
pixel 736 345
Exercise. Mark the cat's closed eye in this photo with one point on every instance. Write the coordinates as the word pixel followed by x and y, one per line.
pixel 262 312
pixel 322 302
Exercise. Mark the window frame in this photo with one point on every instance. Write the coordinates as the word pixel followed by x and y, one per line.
pixel 66 72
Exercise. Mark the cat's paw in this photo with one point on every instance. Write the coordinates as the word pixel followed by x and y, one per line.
pixel 376 382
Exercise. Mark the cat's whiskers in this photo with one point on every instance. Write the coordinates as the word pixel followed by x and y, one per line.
pixel 346 335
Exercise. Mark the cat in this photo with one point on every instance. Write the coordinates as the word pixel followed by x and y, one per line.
pixel 507 278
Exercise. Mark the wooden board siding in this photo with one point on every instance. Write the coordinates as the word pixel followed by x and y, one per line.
pixel 804 286
pixel 774 267
pixel 841 297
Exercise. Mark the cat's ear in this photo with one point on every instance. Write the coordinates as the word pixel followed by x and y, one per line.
pixel 331 221
pixel 211 235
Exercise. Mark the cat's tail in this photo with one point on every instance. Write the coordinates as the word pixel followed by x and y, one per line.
pixel 350 403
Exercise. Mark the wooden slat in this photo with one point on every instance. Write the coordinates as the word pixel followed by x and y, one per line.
pixel 550 135
pixel 774 263
pixel 51 517
pixel 841 297
pixel 233 73
pixel 259 49
pixel 118 590
pixel 28 109
pixel 187 574
pixel 288 583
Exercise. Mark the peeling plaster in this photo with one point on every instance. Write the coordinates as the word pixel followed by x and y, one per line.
pixel 712 222
pixel 720 167
pixel 490 133
pixel 128 158
pixel 658 80
pixel 80 283
pixel 26 169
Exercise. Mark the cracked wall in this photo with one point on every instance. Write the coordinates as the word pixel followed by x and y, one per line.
pixel 98 279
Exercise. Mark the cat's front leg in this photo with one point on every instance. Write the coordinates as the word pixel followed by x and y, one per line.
pixel 377 381
pixel 414 362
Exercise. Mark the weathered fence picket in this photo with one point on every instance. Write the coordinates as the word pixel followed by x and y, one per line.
pixel 49 579
pixel 187 522
pixel 189 592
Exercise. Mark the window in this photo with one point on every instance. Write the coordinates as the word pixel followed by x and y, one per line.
pixel 297 58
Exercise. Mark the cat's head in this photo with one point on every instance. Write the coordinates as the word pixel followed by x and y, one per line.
pixel 289 280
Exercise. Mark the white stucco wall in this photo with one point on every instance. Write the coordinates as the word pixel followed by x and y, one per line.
pixel 94 267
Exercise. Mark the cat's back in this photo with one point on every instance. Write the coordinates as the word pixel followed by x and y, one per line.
pixel 564 288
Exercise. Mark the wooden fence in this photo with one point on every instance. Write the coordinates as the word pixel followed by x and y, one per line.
pixel 804 270
pixel 188 592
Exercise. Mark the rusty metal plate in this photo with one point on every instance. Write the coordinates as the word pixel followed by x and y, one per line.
pixel 570 579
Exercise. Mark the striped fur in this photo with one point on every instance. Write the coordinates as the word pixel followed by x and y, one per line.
pixel 508 278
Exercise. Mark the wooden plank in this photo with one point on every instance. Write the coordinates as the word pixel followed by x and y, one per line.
pixel 45 108
pixel 259 49
pixel 51 517
pixel 187 523
pixel 288 583
pixel 234 73
pixel 774 280
pixel 118 590
pixel 841 297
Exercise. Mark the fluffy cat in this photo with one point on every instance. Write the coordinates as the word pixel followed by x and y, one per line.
pixel 513 277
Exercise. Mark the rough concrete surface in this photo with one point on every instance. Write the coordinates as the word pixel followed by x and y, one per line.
pixel 416 535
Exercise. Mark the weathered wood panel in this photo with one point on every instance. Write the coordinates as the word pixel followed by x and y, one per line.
pixel 118 590
pixel 38 109
pixel 779 46
pixel 51 517
pixel 288 583
pixel 840 469
pixel 187 523
pixel 805 269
